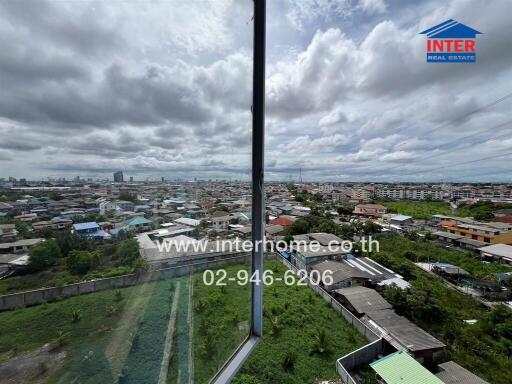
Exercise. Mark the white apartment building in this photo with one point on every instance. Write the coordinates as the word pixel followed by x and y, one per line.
pixel 410 193
pixel 361 194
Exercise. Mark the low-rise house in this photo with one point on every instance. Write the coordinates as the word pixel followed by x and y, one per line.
pixel 20 246
pixel 42 225
pixel 369 210
pixel 283 221
pixel 61 223
pixel 221 222
pixel 452 373
pixel 5 207
pixel 401 220
pixel 303 256
pixel 125 206
pixel 90 229
pixel 187 221
pixel 273 230
pixel 501 253
pixel 377 313
pixel 107 206
pixel 27 217
pixel 243 232
pixel 361 300
pixel 138 224
pixel 403 334
pixel 8 232
pixel 334 275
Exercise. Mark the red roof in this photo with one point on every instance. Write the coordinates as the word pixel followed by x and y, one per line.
pixel 502 219
pixel 447 223
pixel 283 221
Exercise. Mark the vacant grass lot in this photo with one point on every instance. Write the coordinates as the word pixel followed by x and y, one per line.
pixel 118 336
pixel 418 209
pixel 424 251
pixel 301 327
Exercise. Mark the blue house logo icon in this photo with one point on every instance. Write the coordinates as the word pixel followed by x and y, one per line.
pixel 451 42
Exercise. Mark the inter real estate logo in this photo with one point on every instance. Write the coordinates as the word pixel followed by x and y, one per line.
pixel 451 42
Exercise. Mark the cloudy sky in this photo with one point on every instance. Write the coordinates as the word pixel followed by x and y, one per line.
pixel 163 88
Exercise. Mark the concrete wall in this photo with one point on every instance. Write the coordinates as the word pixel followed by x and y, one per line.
pixel 43 295
pixel 359 357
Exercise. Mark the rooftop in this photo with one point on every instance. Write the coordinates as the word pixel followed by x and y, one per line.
pixel 364 299
pixel 502 250
pixel 453 373
pixel 85 226
pixel 401 368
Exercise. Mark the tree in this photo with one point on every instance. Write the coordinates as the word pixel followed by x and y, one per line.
pixel 127 196
pixel 44 254
pixel 68 242
pixel 370 227
pixel 128 252
pixel 81 262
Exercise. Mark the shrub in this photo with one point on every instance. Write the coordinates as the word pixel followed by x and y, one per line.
pixel 44 255
pixel 118 295
pixel 289 360
pixel 75 316
pixel 321 342
pixel 81 262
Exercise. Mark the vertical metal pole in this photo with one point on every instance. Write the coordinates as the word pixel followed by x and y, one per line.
pixel 258 141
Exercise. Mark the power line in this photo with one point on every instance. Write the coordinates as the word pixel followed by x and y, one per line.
pixel 470 144
pixel 495 102
pixel 456 164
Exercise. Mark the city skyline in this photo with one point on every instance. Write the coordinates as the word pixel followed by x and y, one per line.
pixel 349 94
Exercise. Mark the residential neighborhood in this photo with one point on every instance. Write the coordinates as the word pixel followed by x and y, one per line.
pixel 96 216
pixel 255 192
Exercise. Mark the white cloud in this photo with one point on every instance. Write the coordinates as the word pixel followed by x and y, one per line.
pixel 373 6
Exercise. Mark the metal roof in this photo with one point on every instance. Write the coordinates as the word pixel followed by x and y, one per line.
pixel 400 217
pixel 325 238
pixel 501 250
pixel 448 235
pixel 453 373
pixel 340 271
pixel 404 331
pixel 400 368
pixel 83 226
pixel 364 299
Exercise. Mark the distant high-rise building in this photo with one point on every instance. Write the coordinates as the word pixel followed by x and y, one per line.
pixel 131 179
pixel 118 177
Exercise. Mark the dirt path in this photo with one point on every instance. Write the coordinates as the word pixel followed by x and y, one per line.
pixel 164 369
pixel 120 343
pixel 190 332
pixel 32 368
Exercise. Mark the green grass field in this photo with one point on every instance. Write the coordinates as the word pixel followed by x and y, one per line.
pixel 418 209
pixel 118 336
pixel 293 318
pixel 424 251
